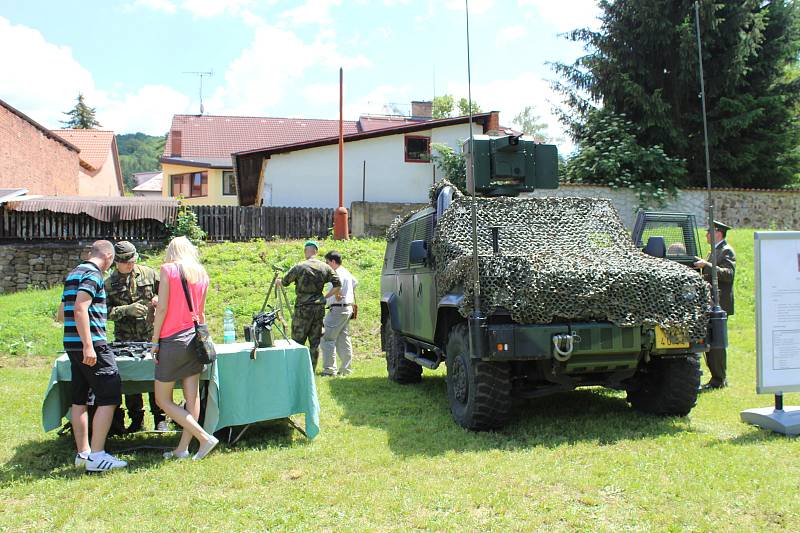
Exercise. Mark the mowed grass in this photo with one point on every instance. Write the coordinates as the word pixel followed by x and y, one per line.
pixel 389 457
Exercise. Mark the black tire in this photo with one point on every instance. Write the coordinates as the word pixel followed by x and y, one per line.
pixel 479 391
pixel 400 369
pixel 667 386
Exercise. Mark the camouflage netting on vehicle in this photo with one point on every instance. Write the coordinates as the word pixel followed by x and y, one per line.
pixel 564 259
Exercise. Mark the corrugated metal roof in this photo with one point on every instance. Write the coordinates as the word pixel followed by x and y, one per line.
pixel 107 209
pixel 8 194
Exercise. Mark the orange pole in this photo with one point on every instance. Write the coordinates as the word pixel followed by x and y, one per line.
pixel 341 231
pixel 341 138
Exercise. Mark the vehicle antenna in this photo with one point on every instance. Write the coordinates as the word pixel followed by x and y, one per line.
pixel 719 337
pixel 476 321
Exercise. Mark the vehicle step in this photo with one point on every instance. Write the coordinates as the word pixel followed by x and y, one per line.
pixel 427 363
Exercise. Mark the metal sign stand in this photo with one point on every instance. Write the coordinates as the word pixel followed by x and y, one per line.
pixel 777 419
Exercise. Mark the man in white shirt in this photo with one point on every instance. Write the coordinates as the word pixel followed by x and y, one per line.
pixel 340 308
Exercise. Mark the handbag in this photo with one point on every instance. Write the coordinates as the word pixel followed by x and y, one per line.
pixel 204 347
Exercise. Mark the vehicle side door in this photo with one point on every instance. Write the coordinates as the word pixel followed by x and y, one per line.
pixel 405 278
pixel 424 286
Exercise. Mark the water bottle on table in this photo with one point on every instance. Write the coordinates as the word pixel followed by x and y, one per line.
pixel 228 328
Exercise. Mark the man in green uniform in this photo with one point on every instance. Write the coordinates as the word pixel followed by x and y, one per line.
pixel 716 359
pixel 309 278
pixel 132 292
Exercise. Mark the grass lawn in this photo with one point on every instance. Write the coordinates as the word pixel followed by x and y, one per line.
pixel 389 457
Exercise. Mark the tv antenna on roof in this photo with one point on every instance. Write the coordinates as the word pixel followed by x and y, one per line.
pixel 201 74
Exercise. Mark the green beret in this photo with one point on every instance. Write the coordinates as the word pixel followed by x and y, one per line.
pixel 312 243
pixel 125 252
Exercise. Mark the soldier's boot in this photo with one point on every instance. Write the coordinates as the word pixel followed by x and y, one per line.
pixel 135 406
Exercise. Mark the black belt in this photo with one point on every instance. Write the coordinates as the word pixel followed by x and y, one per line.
pixel 340 305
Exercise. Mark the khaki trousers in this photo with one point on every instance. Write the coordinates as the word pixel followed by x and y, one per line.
pixel 337 339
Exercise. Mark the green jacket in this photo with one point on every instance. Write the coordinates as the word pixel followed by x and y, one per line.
pixel 726 271
pixel 309 278
pixel 121 291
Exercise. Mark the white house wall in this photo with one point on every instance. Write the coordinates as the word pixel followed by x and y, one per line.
pixel 309 178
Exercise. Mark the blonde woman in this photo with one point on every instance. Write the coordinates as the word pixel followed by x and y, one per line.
pixel 173 332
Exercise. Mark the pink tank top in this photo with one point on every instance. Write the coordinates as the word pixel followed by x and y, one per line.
pixel 178 316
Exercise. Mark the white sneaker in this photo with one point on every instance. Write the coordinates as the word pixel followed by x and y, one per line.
pixel 81 458
pixel 103 462
pixel 206 448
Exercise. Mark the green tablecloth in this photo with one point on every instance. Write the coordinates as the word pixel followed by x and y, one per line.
pixel 278 383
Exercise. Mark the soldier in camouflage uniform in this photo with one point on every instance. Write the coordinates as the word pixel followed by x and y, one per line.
pixel 132 291
pixel 309 277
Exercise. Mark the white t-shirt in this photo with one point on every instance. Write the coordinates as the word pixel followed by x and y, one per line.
pixel 349 283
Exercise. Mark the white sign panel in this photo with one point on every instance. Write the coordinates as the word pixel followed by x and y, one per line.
pixel 777 277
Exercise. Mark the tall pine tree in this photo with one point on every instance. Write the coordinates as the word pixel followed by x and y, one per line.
pixel 81 117
pixel 642 64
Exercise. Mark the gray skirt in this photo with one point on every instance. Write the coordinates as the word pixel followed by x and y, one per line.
pixel 177 358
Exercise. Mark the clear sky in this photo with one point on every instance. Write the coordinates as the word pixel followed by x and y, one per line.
pixel 278 58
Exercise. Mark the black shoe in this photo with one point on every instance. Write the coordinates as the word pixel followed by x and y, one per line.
pixel 137 424
pixel 713 386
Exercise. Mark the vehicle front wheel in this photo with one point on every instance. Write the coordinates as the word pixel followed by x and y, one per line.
pixel 400 369
pixel 479 391
pixel 667 386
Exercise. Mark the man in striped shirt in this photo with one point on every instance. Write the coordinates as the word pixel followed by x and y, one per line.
pixel 94 369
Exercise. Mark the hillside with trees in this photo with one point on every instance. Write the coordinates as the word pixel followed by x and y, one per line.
pixel 139 153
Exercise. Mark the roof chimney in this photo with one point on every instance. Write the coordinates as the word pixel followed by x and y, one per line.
pixel 421 110
pixel 492 125
pixel 175 148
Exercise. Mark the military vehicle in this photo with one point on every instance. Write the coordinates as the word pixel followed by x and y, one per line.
pixel 566 299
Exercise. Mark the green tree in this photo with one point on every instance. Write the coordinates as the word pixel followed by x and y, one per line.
pixel 530 123
pixel 609 154
pixel 443 106
pixel 452 163
pixel 463 107
pixel 643 63
pixel 81 117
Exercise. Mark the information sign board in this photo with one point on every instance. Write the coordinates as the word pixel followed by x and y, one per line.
pixel 777 280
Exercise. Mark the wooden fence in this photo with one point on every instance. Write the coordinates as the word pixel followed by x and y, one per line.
pixel 233 223
pixel 36 225
pixel 221 223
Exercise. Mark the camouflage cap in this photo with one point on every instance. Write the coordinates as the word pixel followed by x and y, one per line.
pixel 312 243
pixel 125 252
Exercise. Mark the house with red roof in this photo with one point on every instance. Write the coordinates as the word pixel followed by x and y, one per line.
pixel 197 162
pixel 99 172
pixel 294 162
pixel 384 161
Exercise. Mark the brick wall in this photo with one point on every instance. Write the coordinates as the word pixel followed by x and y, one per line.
pixel 31 160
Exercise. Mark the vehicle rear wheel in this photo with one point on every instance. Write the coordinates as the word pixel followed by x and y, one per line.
pixel 667 386
pixel 479 391
pixel 400 369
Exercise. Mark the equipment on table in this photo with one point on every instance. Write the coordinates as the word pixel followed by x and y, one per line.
pixel 139 350
pixel 260 331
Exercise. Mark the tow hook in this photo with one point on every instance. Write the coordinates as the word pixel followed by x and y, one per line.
pixel 563 344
